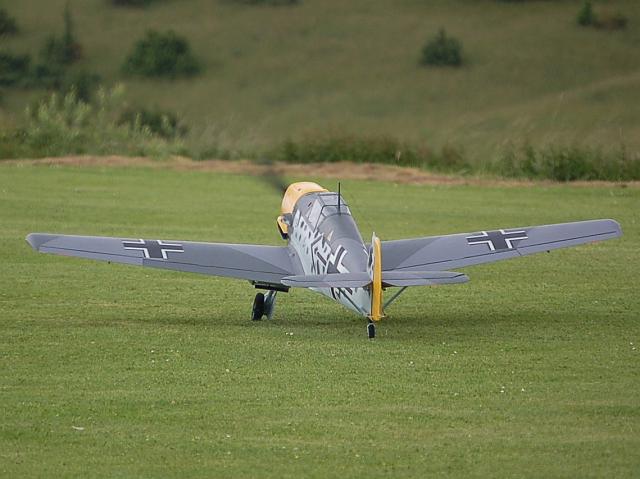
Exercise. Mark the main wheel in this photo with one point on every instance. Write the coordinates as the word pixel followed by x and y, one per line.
pixel 258 307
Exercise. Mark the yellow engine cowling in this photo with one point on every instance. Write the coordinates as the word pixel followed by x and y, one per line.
pixel 294 192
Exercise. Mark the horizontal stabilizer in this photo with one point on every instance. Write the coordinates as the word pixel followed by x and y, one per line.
pixel 332 280
pixel 389 278
pixel 422 278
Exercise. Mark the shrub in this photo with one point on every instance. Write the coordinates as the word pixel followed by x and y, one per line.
pixel 46 75
pixel 8 25
pixel 161 55
pixel 162 123
pixel 14 69
pixel 63 50
pixel 442 50
pixel 267 2
pixel 568 164
pixel 131 3
pixel 82 83
pixel 586 15
pixel 606 20
pixel 63 125
pixel 611 21
pixel 380 149
pixel 49 72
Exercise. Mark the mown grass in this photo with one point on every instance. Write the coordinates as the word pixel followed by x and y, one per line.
pixel 271 73
pixel 530 370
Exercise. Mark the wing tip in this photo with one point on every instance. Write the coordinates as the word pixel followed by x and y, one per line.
pixel 36 240
pixel 616 227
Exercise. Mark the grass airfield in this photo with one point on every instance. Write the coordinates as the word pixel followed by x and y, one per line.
pixel 530 370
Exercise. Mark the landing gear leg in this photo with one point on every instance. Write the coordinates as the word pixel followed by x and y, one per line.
pixel 270 303
pixel 258 307
pixel 371 330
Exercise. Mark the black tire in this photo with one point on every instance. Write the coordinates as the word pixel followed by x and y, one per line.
pixel 258 307
pixel 371 330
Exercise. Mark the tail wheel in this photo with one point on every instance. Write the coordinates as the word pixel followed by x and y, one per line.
pixel 371 330
pixel 258 307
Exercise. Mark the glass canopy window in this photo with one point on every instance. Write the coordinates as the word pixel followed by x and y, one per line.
pixel 326 205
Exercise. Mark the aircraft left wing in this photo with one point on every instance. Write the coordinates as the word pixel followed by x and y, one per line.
pixel 264 264
pixel 437 253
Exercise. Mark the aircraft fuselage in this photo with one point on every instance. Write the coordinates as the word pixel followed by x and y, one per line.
pixel 325 239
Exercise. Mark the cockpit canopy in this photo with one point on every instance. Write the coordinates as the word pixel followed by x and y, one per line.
pixel 326 205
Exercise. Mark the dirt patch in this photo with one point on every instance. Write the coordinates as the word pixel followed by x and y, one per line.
pixel 341 170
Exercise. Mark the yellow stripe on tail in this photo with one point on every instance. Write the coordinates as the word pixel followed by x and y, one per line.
pixel 376 284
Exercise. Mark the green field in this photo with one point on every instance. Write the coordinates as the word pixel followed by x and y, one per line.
pixel 334 67
pixel 530 370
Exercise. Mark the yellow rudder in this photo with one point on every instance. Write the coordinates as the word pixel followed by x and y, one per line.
pixel 376 284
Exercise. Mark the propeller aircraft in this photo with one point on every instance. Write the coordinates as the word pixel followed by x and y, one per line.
pixel 326 253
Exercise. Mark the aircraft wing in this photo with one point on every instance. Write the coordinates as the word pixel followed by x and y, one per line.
pixel 466 249
pixel 265 264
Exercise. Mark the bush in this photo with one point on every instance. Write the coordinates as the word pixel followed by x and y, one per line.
pixel 162 123
pixel 349 148
pixel 442 50
pixel 161 55
pixel 586 16
pixel 267 2
pixel 50 72
pixel 82 83
pixel 606 20
pixel 45 75
pixel 131 3
pixel 612 21
pixel 8 25
pixel 63 125
pixel 381 149
pixel 14 69
pixel 568 164
pixel 63 50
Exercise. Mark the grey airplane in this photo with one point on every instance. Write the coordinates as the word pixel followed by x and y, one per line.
pixel 325 252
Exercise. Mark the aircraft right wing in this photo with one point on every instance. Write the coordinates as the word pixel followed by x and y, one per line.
pixel 437 253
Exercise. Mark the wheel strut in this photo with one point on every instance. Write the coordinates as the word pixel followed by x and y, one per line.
pixel 270 303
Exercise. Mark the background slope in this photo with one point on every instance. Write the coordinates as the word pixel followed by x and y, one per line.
pixel 334 67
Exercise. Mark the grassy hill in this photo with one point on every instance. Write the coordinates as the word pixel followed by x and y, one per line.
pixel 531 74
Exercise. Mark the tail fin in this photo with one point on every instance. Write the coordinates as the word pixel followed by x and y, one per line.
pixel 374 268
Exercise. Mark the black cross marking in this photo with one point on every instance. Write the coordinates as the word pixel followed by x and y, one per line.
pixel 497 240
pixel 154 249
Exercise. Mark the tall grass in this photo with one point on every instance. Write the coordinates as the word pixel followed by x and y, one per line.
pixel 562 163
pixel 558 163
pixel 63 125
pixel 371 149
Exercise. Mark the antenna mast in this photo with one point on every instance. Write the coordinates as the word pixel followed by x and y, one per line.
pixel 339 212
